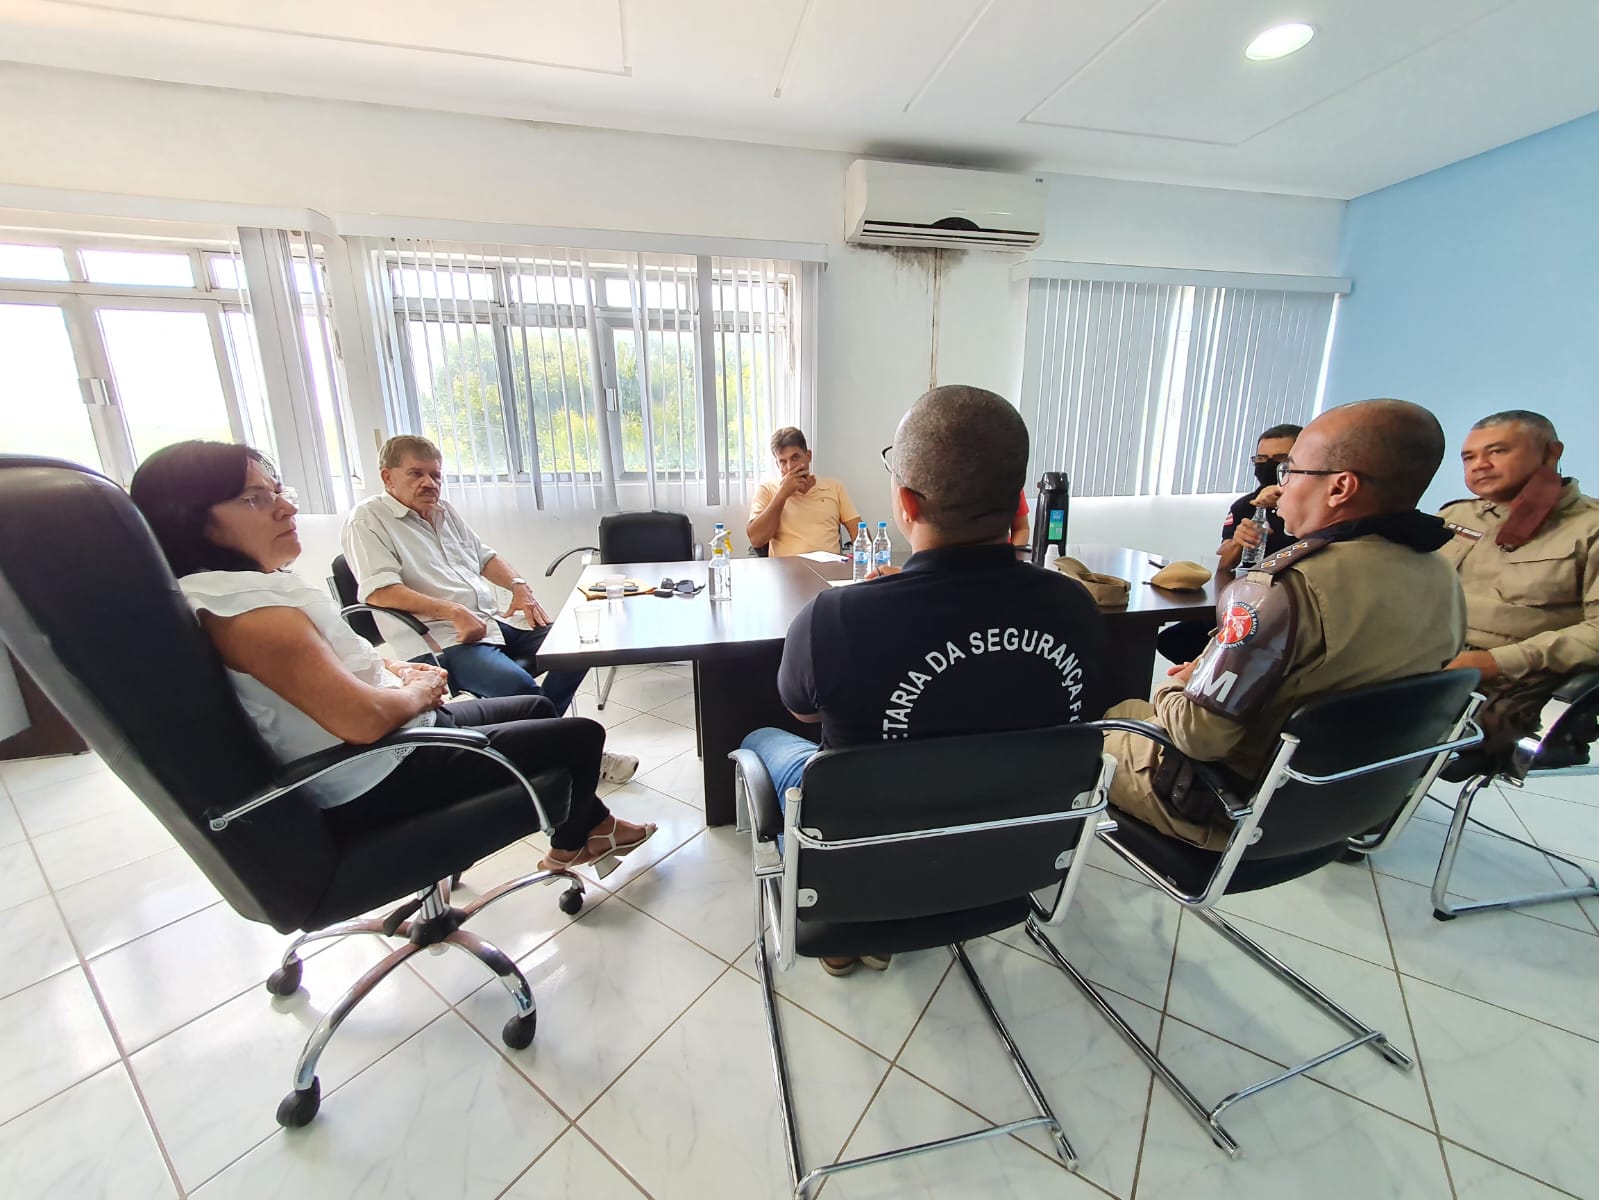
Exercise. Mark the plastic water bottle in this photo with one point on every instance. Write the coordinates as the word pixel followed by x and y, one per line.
pixel 863 553
pixel 882 549
pixel 721 572
pixel 1253 556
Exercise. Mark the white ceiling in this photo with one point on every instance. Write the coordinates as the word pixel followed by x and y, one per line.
pixel 1144 89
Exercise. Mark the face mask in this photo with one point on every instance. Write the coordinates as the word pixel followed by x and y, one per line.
pixel 1266 474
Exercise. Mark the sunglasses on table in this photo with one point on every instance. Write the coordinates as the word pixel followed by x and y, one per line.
pixel 680 587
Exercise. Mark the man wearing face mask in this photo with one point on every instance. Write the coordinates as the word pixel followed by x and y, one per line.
pixel 1526 549
pixel 1183 641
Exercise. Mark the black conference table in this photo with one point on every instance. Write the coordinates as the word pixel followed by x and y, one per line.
pixel 735 647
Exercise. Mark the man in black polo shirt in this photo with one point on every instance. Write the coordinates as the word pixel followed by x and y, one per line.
pixel 1184 641
pixel 965 638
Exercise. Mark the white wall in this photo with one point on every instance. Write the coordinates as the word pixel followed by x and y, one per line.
pixel 100 134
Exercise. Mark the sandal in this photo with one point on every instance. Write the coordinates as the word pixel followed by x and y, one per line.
pixel 604 856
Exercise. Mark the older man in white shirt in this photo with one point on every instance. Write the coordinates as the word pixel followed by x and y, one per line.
pixel 410 549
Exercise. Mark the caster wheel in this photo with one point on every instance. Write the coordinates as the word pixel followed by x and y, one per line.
pixel 518 1032
pixel 571 902
pixel 285 981
pixel 1439 915
pixel 298 1108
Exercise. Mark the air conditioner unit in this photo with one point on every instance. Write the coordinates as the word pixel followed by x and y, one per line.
pixel 901 204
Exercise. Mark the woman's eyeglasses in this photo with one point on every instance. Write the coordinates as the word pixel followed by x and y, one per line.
pixel 261 500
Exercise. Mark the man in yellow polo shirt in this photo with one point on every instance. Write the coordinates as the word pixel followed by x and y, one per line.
pixel 799 512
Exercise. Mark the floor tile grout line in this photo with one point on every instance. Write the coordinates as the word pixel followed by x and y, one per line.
pixel 1160 1036
pixel 1459 1145
pixel 123 1059
pixel 1443 987
pixel 634 1061
pixel 1410 1024
pixel 281 1131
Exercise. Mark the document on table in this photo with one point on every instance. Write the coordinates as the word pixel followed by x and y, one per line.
pixel 823 556
pixel 839 582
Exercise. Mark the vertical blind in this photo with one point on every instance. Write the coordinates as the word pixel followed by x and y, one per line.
pixel 597 379
pixel 1139 389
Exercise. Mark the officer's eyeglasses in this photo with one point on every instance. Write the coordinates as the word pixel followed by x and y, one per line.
pixel 888 465
pixel 1285 469
pixel 1260 460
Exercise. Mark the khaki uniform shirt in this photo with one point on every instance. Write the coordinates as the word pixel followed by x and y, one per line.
pixel 809 522
pixel 1369 610
pixel 1535 608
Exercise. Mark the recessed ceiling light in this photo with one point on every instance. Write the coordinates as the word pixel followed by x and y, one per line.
pixel 1279 41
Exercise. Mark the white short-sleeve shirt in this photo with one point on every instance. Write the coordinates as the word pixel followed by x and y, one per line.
pixel 288 732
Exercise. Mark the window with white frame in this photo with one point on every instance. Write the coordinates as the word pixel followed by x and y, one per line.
pixel 112 347
pixel 1142 387
pixel 582 374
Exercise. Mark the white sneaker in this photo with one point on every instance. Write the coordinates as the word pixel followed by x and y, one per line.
pixel 617 768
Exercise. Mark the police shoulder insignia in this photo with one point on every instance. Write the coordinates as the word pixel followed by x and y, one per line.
pixel 1239 623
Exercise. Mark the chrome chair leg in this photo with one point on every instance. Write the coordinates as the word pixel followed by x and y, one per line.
pixel 1063 1148
pixel 1176 1086
pixel 605 688
pixel 518 1031
pixel 300 1105
pixel 774 1037
pixel 1444 910
pixel 1365 1033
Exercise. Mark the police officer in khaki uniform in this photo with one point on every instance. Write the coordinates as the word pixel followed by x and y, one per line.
pixel 1527 552
pixel 1360 598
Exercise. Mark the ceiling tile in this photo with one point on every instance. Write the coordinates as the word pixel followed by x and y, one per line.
pixel 1180 73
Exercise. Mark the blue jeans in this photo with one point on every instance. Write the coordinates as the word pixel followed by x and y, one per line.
pixel 784 756
pixel 487 670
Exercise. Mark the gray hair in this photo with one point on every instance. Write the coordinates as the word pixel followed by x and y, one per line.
pixel 1540 426
pixel 407 445
pixel 964 451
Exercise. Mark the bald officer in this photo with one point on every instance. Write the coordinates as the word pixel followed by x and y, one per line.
pixel 1526 548
pixel 1360 598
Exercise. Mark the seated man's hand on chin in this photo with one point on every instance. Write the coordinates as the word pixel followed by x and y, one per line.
pixel 1267 497
pixel 1482 660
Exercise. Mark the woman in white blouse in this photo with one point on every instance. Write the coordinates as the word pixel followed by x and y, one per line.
pixel 227 528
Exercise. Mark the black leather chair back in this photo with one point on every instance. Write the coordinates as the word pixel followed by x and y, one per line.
pixel 1350 729
pixel 653 536
pixel 344 585
pixel 88 606
pixel 932 784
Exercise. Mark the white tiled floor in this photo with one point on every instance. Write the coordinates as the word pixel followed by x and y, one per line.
pixel 140 1056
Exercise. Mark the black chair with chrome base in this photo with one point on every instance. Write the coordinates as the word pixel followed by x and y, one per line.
pixel 636 537
pixel 1559 748
pixel 912 845
pixel 143 685
pixel 1346 763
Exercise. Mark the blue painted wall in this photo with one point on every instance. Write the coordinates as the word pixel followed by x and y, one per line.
pixel 1476 288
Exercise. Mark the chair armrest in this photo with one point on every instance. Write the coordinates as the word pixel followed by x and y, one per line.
pixel 561 558
pixel 410 620
pixel 1578 688
pixel 766 816
pixel 313 766
pixel 1206 773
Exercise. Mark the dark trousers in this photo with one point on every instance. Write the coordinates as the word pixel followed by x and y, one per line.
pixel 1184 641
pixel 520 727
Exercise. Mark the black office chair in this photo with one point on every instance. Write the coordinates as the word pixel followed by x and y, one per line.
pixel 909 845
pixel 1346 764
pixel 145 688
pixel 636 537
pixel 1559 747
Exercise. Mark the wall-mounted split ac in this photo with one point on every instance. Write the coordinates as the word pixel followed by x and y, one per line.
pixel 902 204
